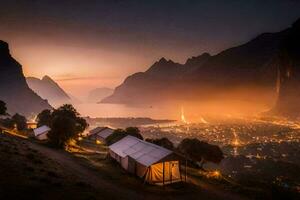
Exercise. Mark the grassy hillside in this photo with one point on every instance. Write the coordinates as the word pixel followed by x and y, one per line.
pixel 28 174
pixel 33 171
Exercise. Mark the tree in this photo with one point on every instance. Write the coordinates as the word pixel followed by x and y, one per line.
pixel 134 131
pixel 65 125
pixel 62 130
pixel 20 121
pixel 118 134
pixel 44 118
pixel 3 108
pixel 163 142
pixel 8 123
pixel 199 151
pixel 17 120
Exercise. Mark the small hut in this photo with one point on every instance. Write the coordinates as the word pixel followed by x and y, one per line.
pixel 41 132
pixel 31 125
pixel 100 133
pixel 95 130
pixel 155 164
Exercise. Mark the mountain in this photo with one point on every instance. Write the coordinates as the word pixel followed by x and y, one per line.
pixel 75 100
pixel 241 73
pixel 141 86
pixel 98 94
pixel 48 89
pixel 13 87
pixel 288 65
pixel 193 63
pixel 203 76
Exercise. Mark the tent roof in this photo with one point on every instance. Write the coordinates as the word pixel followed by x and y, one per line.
pixel 143 152
pixel 40 130
pixel 96 130
pixel 104 133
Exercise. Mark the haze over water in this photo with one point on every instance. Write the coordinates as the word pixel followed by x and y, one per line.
pixel 193 111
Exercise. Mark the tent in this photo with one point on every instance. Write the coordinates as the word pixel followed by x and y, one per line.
pixel 31 125
pixel 41 132
pixel 100 133
pixel 96 130
pixel 155 164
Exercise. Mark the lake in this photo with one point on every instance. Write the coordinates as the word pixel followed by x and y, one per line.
pixel 193 111
pixel 120 110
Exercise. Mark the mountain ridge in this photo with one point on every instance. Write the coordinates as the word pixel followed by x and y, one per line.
pixel 48 89
pixel 14 90
pixel 97 94
pixel 249 65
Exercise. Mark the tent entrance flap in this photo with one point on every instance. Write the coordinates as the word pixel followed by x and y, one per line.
pixel 164 173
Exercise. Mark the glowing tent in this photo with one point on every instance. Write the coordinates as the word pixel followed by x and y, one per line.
pixel 155 164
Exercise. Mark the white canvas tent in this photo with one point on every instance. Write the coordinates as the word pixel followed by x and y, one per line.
pixel 96 130
pixel 155 164
pixel 103 134
pixel 41 132
pixel 100 133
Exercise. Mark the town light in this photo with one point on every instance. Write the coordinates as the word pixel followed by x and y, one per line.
pixel 98 142
pixel 216 173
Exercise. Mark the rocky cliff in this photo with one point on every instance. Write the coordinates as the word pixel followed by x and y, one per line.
pixel 13 87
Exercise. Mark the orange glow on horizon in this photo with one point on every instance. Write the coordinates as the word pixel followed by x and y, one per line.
pixel 78 69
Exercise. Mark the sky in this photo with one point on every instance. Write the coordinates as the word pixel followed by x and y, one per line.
pixel 90 44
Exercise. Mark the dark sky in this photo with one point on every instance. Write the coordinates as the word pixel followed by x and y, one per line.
pixel 107 40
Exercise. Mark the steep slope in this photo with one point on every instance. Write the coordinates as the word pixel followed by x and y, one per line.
pixel 194 62
pixel 13 87
pixel 288 64
pixel 159 77
pixel 48 89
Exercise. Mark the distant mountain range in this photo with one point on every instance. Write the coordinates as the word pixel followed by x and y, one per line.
pixel 14 90
pixel 204 76
pixel 246 72
pixel 98 94
pixel 49 89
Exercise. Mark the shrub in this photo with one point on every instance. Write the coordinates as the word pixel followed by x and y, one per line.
pixel 44 118
pixel 199 151
pixel 3 108
pixel 163 142
pixel 118 134
pixel 20 121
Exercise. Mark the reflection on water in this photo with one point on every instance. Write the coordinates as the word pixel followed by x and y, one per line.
pixel 120 110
